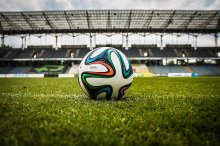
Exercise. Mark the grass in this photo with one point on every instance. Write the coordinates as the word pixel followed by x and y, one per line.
pixel 156 111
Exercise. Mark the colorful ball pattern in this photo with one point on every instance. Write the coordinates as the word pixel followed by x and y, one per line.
pixel 105 73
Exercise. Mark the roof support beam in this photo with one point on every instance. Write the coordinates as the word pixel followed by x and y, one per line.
pixel 218 25
pixel 68 20
pixel 56 39
pixel 127 25
pixel 165 25
pixel 161 42
pixel 2 40
pixel 10 22
pixel 126 45
pixel 204 25
pixel 52 27
pixel 90 42
pixel 216 40
pixel 31 24
pixel 129 20
pixel 109 25
pixel 195 43
pixel 88 20
pixel 188 21
pixel 1 28
pixel 147 23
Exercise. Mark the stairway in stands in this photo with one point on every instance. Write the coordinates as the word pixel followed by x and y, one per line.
pixel 189 69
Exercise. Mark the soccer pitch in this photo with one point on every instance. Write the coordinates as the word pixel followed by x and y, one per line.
pixel 155 111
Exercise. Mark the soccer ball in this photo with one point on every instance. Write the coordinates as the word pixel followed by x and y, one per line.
pixel 105 73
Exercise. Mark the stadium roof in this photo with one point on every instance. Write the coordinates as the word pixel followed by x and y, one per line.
pixel 114 21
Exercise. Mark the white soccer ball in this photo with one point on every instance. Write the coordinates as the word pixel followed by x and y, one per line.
pixel 105 73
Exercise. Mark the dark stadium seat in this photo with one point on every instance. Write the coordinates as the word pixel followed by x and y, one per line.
pixel 206 52
pixel 19 70
pixel 171 52
pixel 206 70
pixel 13 53
pixel 47 53
pixel 156 52
pixel 191 53
pixel 168 69
pixel 83 52
pixel 5 69
pixel 133 52
pixel 60 53
pixel 3 52
pixel 27 53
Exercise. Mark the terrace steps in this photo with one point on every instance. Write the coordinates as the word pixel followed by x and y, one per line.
pixel 186 52
pixel 150 52
pixel 32 53
pixel 177 53
pixel 67 53
pixel 140 52
pixel 189 69
pixel 77 53
pixel 7 54
pixel 41 53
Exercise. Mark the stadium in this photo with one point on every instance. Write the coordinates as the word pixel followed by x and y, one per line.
pixel 174 98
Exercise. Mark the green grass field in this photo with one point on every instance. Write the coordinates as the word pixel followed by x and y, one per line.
pixel 156 111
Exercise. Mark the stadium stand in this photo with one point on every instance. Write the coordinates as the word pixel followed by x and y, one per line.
pixel 34 52
pixel 46 53
pixel 19 70
pixel 73 69
pixel 168 69
pixel 5 69
pixel 207 51
pixel 60 53
pixel 140 68
pixel 141 50
pixel 12 53
pixel 172 51
pixel 83 52
pixel 215 69
pixel 70 50
pixel 3 52
pixel 156 52
pixel 26 53
pixel 191 53
pixel 206 70
pixel 9 53
pixel 119 46
pixel 50 69
pixel 135 51
pixel 79 51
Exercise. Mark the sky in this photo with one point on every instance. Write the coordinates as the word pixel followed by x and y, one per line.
pixel 35 5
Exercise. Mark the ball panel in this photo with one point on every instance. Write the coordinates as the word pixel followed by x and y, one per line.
pixel 110 72
pixel 123 90
pixel 125 60
pixel 94 67
pixel 101 96
pixel 83 86
pixel 98 51
pixel 100 57
pixel 92 90
pixel 125 72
